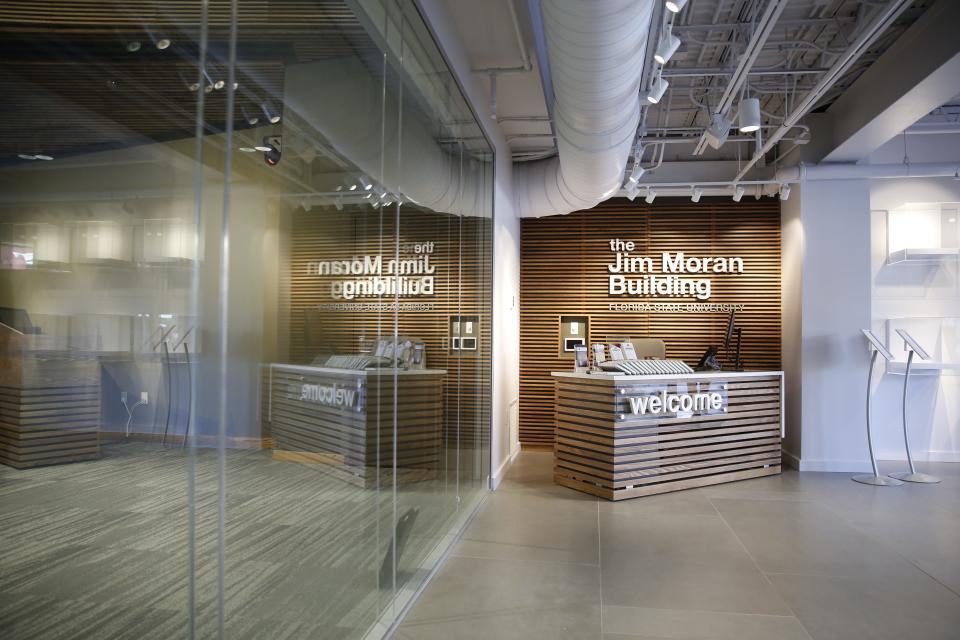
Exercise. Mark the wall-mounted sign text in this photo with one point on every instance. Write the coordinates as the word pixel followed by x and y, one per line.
pixel 674 279
pixel 373 276
pixel 328 395
pixel 662 403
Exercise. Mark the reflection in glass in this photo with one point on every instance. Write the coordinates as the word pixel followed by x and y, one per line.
pixel 233 386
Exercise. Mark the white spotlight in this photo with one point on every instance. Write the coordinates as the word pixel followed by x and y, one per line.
pixel 636 174
pixel 674 6
pixel 26 156
pixel 749 114
pixel 632 192
pixel 133 46
pixel 219 84
pixel 737 193
pixel 657 89
pixel 695 194
pixel 43 156
pixel 668 46
pixel 163 43
pixel 247 149
pixel 272 117
pixel 650 197
pixel 784 191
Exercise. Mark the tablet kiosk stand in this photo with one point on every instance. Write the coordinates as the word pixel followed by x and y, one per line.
pixel 910 346
pixel 876 347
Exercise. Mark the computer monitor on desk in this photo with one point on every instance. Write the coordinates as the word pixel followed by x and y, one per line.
pixel 733 329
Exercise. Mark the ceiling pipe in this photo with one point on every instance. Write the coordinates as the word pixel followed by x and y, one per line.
pixel 880 23
pixel 596 51
pixel 850 171
pixel 763 30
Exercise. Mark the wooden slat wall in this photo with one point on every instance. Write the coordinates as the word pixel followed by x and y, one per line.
pixel 563 271
pixel 641 457
pixel 462 287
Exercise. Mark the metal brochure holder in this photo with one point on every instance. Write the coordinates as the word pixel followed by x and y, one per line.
pixel 911 347
pixel 876 347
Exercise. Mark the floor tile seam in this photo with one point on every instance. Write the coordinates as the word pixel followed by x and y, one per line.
pixel 708 611
pixel 759 570
pixel 600 566
pixel 455 554
pixel 886 545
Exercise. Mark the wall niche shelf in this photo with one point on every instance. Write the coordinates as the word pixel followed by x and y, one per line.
pixel 923 256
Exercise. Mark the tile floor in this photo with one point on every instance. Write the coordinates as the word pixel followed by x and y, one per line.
pixel 793 557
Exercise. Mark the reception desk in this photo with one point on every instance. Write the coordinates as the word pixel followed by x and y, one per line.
pixel 625 436
pixel 344 420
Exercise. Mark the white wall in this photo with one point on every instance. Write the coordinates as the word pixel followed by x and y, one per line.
pixel 914 291
pixel 506 250
pixel 826 236
pixel 791 327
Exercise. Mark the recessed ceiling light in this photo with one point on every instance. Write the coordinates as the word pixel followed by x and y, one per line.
pixel 133 46
pixel 163 43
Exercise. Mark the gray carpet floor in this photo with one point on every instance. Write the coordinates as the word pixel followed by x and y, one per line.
pixel 101 549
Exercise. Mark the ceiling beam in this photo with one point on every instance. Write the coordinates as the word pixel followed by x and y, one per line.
pixel 917 74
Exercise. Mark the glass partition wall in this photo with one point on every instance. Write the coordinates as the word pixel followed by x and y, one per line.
pixel 245 285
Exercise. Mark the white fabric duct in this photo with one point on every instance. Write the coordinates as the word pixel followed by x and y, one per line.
pixel 596 50
pixel 344 102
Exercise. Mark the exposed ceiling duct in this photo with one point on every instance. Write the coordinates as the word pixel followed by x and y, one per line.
pixel 596 52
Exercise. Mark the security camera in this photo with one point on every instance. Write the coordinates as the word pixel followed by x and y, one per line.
pixel 274 150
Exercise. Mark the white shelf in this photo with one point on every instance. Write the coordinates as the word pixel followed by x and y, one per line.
pixel 923 256
pixel 921 368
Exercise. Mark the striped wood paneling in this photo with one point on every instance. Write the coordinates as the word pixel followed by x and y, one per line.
pixel 563 271
pixel 617 460
pixel 461 287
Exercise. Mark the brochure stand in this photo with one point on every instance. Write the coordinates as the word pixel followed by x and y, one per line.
pixel 876 347
pixel 911 347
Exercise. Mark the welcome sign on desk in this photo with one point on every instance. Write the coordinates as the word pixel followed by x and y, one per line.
pixel 660 401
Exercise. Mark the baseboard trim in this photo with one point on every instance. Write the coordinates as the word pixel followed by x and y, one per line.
pixel 936 455
pixel 835 466
pixel 790 460
pixel 497 477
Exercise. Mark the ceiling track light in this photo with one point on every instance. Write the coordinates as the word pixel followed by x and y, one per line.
pixel 632 192
pixel 250 118
pixel 784 191
pixel 636 174
pixel 657 89
pixel 668 46
pixel 737 193
pixel 749 115
pixel 675 6
pixel 695 193
pixel 366 184
pixel 272 116
pixel 133 46
pixel 650 197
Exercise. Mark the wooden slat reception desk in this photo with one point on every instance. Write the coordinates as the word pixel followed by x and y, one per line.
pixel 621 436
pixel 344 419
